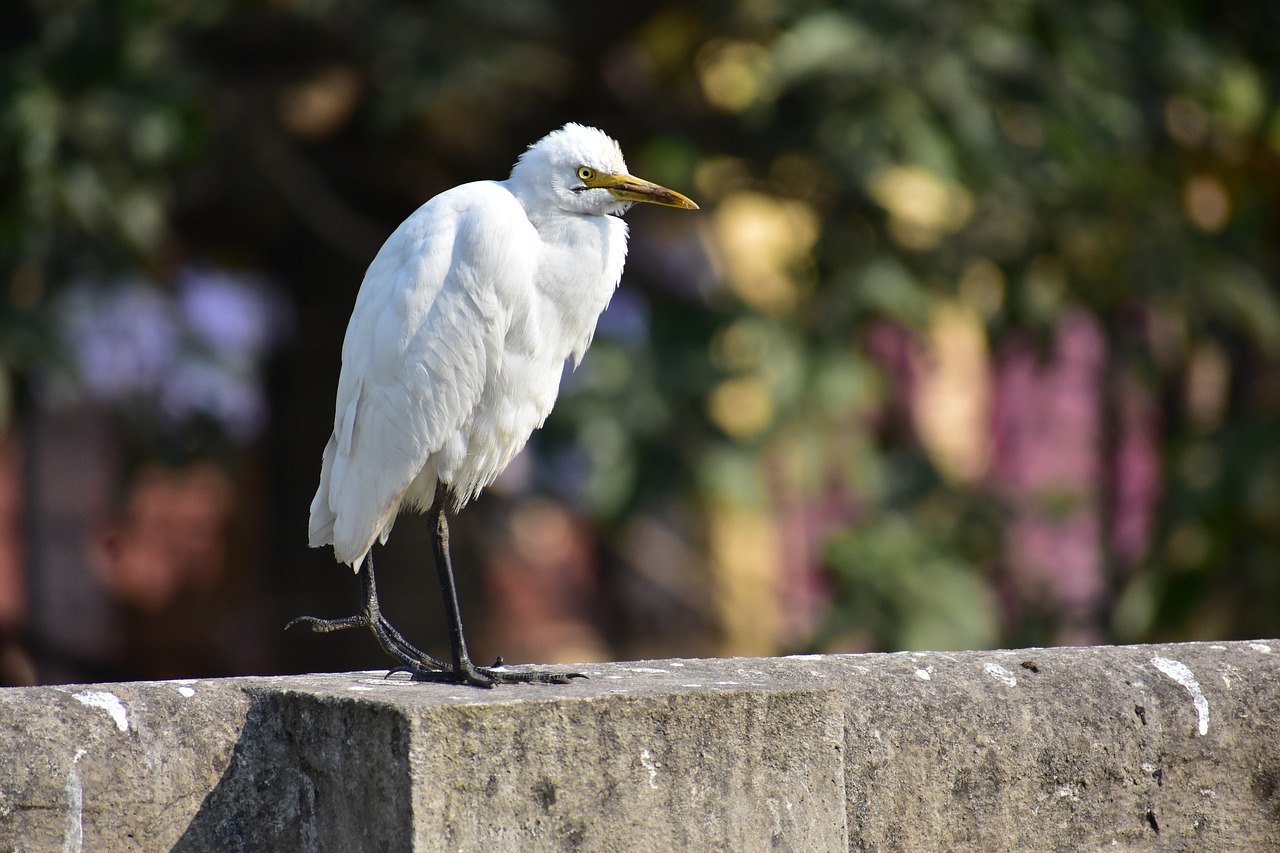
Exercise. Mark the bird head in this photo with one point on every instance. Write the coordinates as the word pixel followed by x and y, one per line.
pixel 580 170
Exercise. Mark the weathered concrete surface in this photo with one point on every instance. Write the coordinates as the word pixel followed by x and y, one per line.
pixel 1130 748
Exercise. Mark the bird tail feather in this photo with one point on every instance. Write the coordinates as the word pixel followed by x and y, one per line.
pixel 320 529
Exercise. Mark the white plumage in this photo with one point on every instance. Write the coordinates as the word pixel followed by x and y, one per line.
pixel 457 342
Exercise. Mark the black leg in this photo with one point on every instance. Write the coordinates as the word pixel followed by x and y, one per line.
pixel 370 616
pixel 463 669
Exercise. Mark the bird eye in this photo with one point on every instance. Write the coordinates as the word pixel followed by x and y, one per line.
pixel 585 174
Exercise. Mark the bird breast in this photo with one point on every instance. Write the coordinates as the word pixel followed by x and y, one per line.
pixel 579 264
pixel 579 267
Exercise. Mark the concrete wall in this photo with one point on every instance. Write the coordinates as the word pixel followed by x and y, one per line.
pixel 1130 748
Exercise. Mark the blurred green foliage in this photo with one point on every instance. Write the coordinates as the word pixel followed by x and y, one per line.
pixel 879 181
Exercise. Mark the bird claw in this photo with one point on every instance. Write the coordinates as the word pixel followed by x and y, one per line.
pixel 423 667
pixel 492 676
pixel 414 670
pixel 411 659
pixel 324 626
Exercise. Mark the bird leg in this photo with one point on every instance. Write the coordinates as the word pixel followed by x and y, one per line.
pixel 370 616
pixel 463 670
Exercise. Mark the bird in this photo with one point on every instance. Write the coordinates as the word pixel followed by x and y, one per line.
pixel 453 356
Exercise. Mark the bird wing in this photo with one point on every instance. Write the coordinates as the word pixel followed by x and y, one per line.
pixel 426 333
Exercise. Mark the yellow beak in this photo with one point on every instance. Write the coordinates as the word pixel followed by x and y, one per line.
pixel 631 188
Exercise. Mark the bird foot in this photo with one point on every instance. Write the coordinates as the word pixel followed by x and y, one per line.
pixel 466 672
pixel 411 659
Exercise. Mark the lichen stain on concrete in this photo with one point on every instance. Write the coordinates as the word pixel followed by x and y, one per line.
pixel 184 686
pixel 73 838
pixel 1182 674
pixel 1260 647
pixel 772 804
pixel 108 702
pixel 1000 674
pixel 646 758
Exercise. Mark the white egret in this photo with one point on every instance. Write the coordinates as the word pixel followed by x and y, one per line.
pixel 453 356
